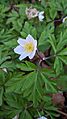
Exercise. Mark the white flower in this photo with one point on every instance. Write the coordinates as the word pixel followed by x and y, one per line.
pixel 42 117
pixel 41 16
pixel 26 47
pixel 65 18
pixel 31 12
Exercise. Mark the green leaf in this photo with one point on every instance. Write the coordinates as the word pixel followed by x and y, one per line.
pixel 52 9
pixel 49 88
pixel 14 105
pixel 58 66
pixel 26 66
pixel 11 43
pixel 52 41
pixel 32 87
pixel 62 82
pixel 10 112
pixel 48 30
pixel 1 96
pixel 28 29
pixel 53 12
pixel 43 3
pixel 43 43
pixel 43 38
pixel 25 115
pixel 4 58
pixel 63 52
pixel 63 40
pixel 14 100
pixel 63 59
pixel 14 84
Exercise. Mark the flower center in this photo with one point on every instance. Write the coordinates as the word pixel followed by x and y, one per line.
pixel 29 47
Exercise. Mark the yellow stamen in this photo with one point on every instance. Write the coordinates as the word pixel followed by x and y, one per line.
pixel 29 47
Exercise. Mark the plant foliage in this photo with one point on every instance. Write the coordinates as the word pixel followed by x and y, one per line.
pixel 27 86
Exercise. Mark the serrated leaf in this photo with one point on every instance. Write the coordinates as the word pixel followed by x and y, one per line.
pixel 48 84
pixel 28 29
pixel 26 66
pixel 25 115
pixel 58 66
pixel 63 52
pixel 63 59
pixel 15 83
pixel 52 41
pixel 62 42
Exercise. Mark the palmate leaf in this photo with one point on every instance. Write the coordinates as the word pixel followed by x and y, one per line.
pixel 26 84
pixel 33 85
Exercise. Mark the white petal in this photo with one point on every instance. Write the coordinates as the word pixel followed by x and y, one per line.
pixel 32 54
pixel 35 43
pixel 41 16
pixel 18 49
pixel 23 56
pixel 42 117
pixel 29 38
pixel 21 41
pixel 41 13
pixel 64 19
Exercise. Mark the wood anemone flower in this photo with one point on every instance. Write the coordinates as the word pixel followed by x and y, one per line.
pixel 31 12
pixel 26 47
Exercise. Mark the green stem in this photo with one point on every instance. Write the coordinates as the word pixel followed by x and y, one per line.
pixel 45 58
